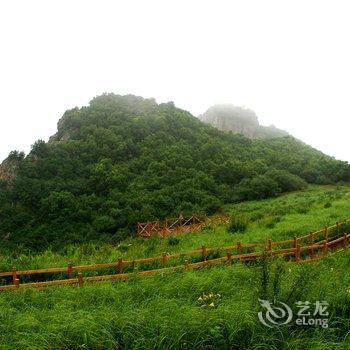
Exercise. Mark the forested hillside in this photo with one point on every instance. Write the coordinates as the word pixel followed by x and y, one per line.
pixel 124 159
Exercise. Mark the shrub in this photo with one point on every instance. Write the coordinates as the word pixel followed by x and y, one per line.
pixel 270 221
pixel 302 208
pixel 328 205
pixel 286 181
pixel 256 216
pixel 258 187
pixel 238 224
pixel 151 244
pixel 172 240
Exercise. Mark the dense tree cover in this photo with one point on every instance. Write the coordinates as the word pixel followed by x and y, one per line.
pixel 125 159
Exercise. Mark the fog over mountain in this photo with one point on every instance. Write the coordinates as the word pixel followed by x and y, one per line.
pixel 228 117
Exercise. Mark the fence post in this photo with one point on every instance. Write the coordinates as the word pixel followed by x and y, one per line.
pixel 325 248
pixel 166 224
pixel 297 253
pixel 311 238
pixel 70 270
pixel 204 252
pixel 120 265
pixel 133 265
pixel 186 264
pixel 295 242
pixel 157 228
pixel 229 257
pixel 239 249
pixel 269 245
pixel 14 274
pixel 80 279
pixel 164 259
pixel 344 240
pixel 16 282
pixel 311 242
pixel 337 226
pixel 326 233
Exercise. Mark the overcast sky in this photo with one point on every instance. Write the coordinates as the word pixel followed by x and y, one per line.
pixel 287 60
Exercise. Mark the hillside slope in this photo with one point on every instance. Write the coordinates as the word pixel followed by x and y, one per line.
pixel 163 311
pixel 124 159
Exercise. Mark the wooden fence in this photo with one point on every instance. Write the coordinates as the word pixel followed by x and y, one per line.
pixel 306 248
pixel 177 226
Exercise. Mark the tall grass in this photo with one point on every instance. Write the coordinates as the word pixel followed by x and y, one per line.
pixel 162 312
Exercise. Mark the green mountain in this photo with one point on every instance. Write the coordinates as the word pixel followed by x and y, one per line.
pixel 241 120
pixel 125 159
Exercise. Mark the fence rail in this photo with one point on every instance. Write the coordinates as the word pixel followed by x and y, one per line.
pixel 328 238
pixel 177 226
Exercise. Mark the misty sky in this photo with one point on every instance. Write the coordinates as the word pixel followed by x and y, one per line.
pixel 287 60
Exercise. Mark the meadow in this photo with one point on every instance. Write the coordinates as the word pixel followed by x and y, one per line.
pixel 167 311
pixel 292 214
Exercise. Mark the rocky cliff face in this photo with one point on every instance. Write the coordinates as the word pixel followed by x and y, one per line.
pixel 9 167
pixel 239 120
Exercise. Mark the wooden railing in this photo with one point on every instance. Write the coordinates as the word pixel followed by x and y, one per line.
pixel 318 244
pixel 177 226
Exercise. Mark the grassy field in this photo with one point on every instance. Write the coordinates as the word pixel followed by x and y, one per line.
pixel 163 312
pixel 292 214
